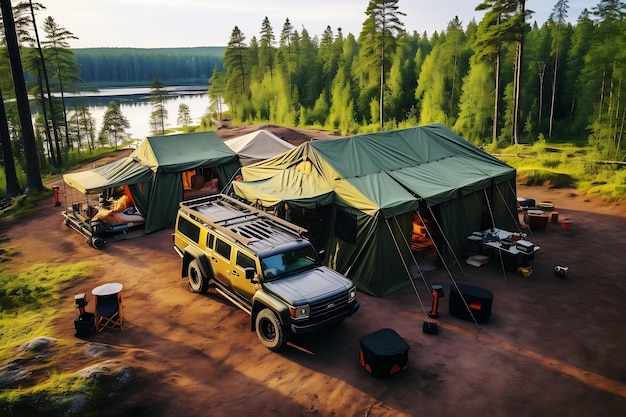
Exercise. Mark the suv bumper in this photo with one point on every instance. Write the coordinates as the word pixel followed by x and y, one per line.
pixel 301 328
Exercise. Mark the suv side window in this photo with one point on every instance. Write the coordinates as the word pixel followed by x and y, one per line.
pixel 244 261
pixel 223 248
pixel 209 240
pixel 189 229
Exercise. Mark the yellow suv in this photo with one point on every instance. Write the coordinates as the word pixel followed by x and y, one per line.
pixel 263 265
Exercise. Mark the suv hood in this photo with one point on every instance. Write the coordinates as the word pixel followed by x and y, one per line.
pixel 309 286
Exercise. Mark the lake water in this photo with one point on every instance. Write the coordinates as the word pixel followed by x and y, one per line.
pixel 136 107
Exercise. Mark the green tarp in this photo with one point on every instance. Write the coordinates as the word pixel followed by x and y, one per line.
pixel 121 172
pixel 153 172
pixel 379 181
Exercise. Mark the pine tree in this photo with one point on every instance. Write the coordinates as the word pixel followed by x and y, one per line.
pixel 328 59
pixel 476 105
pixel 184 116
pixel 65 67
pixel 500 26
pixel 605 67
pixel 285 51
pixel 114 125
pixel 378 42
pixel 580 109
pixel 266 47
pixel 217 88
pixel 33 172
pixel 44 83
pixel 439 83
pixel 82 128
pixel 236 65
pixel 159 113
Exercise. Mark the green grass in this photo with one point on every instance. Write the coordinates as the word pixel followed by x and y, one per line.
pixel 53 397
pixel 29 307
pixel 24 206
pixel 29 300
pixel 565 165
pixel 72 160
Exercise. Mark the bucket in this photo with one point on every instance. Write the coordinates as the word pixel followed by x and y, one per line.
pixel 554 217
pixel 567 225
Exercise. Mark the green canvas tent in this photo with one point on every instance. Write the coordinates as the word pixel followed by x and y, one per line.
pixel 168 156
pixel 153 173
pixel 368 189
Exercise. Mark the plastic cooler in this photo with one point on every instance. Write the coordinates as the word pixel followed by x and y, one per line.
pixel 383 353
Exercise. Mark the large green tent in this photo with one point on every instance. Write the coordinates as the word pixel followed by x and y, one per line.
pixel 153 173
pixel 167 157
pixel 369 187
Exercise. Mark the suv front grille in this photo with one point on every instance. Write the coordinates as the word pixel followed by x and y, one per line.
pixel 329 307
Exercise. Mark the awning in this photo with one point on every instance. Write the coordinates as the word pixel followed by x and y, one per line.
pixel 124 171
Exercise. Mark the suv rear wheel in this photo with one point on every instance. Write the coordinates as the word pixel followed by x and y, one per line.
pixel 197 281
pixel 269 330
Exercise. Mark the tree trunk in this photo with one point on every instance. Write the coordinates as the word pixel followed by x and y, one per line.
pixel 620 135
pixel 542 74
pixel 13 186
pixel 33 173
pixel 46 127
pixel 496 106
pixel 553 100
pixel 44 72
pixel 382 81
pixel 517 84
pixel 67 131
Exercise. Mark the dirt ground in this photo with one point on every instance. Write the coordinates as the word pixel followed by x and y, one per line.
pixel 554 345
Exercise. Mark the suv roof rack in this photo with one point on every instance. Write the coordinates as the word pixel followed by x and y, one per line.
pixel 247 225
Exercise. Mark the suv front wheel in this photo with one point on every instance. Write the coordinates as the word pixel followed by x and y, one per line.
pixel 197 281
pixel 269 330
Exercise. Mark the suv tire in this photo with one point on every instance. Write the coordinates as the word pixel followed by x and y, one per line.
pixel 197 282
pixel 269 330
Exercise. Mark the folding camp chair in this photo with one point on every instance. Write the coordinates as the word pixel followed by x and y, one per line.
pixel 109 310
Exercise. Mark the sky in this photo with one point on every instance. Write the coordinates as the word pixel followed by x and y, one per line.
pixel 190 23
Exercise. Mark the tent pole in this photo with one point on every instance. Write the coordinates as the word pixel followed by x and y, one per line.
pixel 446 266
pixel 529 229
pixel 493 222
pixel 447 243
pixel 413 257
pixel 408 272
pixel 229 185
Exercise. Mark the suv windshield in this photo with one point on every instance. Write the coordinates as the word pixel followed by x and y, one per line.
pixel 282 264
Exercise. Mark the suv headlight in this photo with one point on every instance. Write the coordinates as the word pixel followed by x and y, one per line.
pixel 300 312
pixel 351 294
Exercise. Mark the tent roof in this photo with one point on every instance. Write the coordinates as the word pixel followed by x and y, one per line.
pixel 257 146
pixel 124 171
pixel 175 153
pixel 386 171
pixel 287 186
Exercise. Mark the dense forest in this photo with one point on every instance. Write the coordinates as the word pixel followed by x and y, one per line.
pixel 503 80
pixel 133 66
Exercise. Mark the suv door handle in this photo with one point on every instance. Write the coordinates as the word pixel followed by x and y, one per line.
pixel 235 273
pixel 213 259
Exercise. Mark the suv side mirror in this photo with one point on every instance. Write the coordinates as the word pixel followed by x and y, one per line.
pixel 250 274
pixel 321 254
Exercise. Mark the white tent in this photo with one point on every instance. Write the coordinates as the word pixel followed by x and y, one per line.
pixel 258 146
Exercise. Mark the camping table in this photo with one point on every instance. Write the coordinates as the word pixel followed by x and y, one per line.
pixel 107 289
pixel 493 237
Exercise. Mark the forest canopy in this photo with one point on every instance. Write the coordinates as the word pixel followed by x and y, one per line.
pixel 134 66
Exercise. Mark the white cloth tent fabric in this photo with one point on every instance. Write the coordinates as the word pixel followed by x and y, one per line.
pixel 257 146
